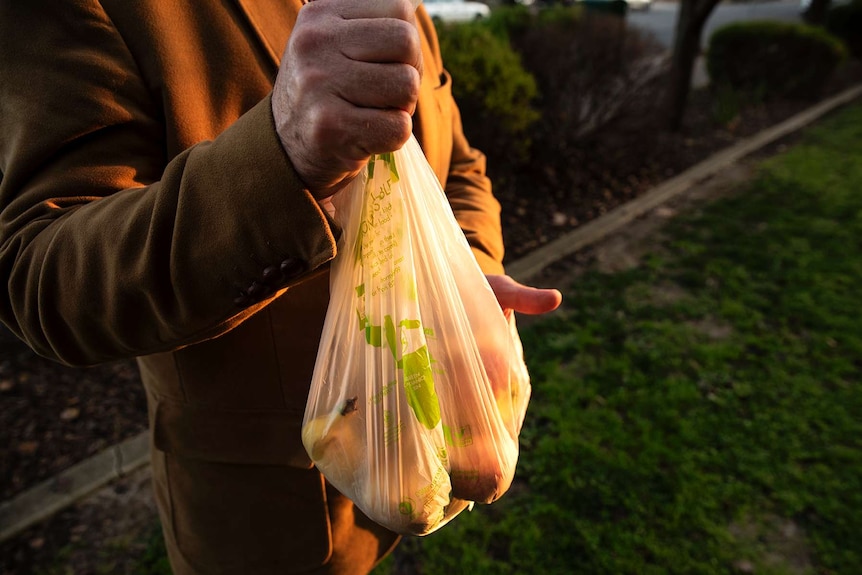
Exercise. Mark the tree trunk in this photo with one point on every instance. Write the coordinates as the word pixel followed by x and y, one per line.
pixel 686 48
pixel 816 12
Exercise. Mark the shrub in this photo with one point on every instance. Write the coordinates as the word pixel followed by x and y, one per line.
pixel 560 15
pixel 845 22
pixel 780 59
pixel 507 22
pixel 582 69
pixel 728 103
pixel 492 88
pixel 589 68
pixel 513 22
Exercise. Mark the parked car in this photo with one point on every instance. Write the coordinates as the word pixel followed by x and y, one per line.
pixel 456 10
pixel 639 4
pixel 616 7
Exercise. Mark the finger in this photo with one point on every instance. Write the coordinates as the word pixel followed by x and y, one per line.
pixel 381 131
pixel 357 132
pixel 380 40
pixel 323 25
pixel 351 9
pixel 379 86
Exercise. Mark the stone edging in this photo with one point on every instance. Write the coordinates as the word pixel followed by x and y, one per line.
pixel 50 496
pixel 67 487
pixel 537 260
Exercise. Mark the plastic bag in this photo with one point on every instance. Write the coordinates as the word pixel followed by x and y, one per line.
pixel 420 388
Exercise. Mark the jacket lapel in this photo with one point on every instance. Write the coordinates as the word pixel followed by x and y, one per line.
pixel 271 21
pixel 430 119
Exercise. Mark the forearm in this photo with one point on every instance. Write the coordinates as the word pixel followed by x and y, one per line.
pixel 155 267
pixel 111 250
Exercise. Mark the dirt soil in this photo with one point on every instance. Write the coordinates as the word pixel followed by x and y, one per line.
pixel 53 416
pixel 106 533
pixel 579 183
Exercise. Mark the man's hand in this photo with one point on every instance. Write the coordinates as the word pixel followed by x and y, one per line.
pixel 521 298
pixel 347 87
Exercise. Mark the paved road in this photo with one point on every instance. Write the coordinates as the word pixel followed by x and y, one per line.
pixel 661 18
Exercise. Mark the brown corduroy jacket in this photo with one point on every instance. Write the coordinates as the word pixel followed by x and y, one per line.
pixel 149 211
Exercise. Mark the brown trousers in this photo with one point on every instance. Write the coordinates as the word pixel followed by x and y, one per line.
pixel 243 520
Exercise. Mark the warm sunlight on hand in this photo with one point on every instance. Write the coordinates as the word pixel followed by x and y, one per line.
pixel 523 299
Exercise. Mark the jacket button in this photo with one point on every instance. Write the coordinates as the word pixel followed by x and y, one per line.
pixel 272 276
pixel 255 290
pixel 291 267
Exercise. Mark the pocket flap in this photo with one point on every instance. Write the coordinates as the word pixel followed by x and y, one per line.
pixel 265 437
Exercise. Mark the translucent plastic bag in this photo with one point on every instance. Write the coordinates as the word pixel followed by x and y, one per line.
pixel 420 388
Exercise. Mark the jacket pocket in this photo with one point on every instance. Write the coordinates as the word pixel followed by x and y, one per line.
pixel 228 519
pixel 254 436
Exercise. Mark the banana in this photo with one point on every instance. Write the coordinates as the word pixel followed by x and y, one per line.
pixel 334 442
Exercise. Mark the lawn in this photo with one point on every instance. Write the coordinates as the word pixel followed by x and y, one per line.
pixel 701 413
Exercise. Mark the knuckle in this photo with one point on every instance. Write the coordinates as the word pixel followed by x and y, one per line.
pixel 311 36
pixel 304 41
pixel 312 77
pixel 406 37
pixel 412 83
pixel 402 127
pixel 404 86
pixel 387 132
pixel 403 10
pixel 414 44
pixel 327 126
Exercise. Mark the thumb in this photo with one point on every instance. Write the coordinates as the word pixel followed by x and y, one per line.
pixel 523 299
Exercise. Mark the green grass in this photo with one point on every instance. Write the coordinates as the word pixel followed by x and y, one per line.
pixel 154 560
pixel 701 413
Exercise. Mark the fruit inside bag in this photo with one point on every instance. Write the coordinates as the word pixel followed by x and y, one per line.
pixel 420 388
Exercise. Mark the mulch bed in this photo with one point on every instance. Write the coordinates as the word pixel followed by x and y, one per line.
pixel 53 416
pixel 569 187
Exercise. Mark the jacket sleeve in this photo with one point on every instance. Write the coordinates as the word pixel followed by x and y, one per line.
pixel 467 185
pixel 476 209
pixel 109 249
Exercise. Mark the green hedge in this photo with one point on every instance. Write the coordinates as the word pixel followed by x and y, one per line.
pixel 774 58
pixel 509 21
pixel 493 90
pixel 513 22
pixel 845 22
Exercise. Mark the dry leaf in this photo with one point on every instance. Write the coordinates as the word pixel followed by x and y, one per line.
pixel 37 543
pixel 70 413
pixel 28 447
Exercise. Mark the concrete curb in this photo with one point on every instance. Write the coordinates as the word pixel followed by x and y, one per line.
pixel 530 265
pixel 73 484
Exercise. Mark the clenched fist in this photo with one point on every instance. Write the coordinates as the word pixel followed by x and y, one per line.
pixel 347 87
